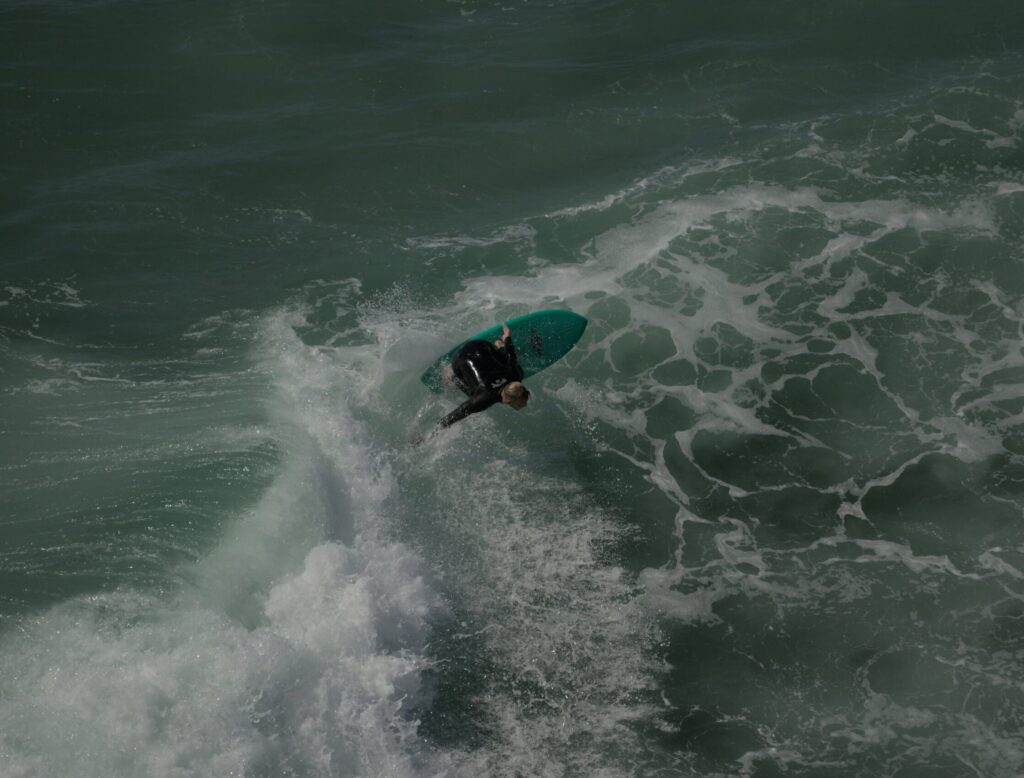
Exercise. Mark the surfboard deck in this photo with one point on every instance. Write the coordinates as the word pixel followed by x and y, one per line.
pixel 541 338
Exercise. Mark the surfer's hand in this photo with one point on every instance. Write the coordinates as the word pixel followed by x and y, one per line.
pixel 506 333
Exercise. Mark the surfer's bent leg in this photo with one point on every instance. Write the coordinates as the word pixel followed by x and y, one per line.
pixel 464 373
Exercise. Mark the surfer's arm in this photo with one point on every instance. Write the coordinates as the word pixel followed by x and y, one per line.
pixel 480 401
pixel 510 350
pixel 506 347
pixel 506 337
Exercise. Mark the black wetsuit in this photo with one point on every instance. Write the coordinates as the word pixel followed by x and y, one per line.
pixel 481 371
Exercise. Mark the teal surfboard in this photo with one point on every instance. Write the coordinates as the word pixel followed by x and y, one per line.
pixel 541 338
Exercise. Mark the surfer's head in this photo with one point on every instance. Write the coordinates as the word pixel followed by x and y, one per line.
pixel 515 395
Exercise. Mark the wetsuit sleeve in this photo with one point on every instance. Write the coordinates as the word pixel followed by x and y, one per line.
pixel 510 352
pixel 480 401
pixel 513 360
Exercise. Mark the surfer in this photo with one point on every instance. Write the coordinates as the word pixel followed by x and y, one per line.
pixel 489 373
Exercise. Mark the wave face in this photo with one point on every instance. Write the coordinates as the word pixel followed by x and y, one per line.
pixel 765 519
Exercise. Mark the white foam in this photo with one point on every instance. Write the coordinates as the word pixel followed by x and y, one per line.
pixel 511 234
pixel 58 293
pixel 570 638
pixel 125 685
pixel 653 181
pixel 297 649
pixel 1008 188
pixel 994 139
pixel 907 137
pixel 888 551
pixel 991 561
pixel 937 734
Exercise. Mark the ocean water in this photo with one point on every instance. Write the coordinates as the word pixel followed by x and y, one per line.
pixel 765 520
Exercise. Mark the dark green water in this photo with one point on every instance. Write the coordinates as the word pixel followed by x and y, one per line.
pixel 765 520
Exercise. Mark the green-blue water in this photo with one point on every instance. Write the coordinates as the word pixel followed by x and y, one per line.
pixel 765 520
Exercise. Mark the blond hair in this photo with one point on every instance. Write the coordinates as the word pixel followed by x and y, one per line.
pixel 515 391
